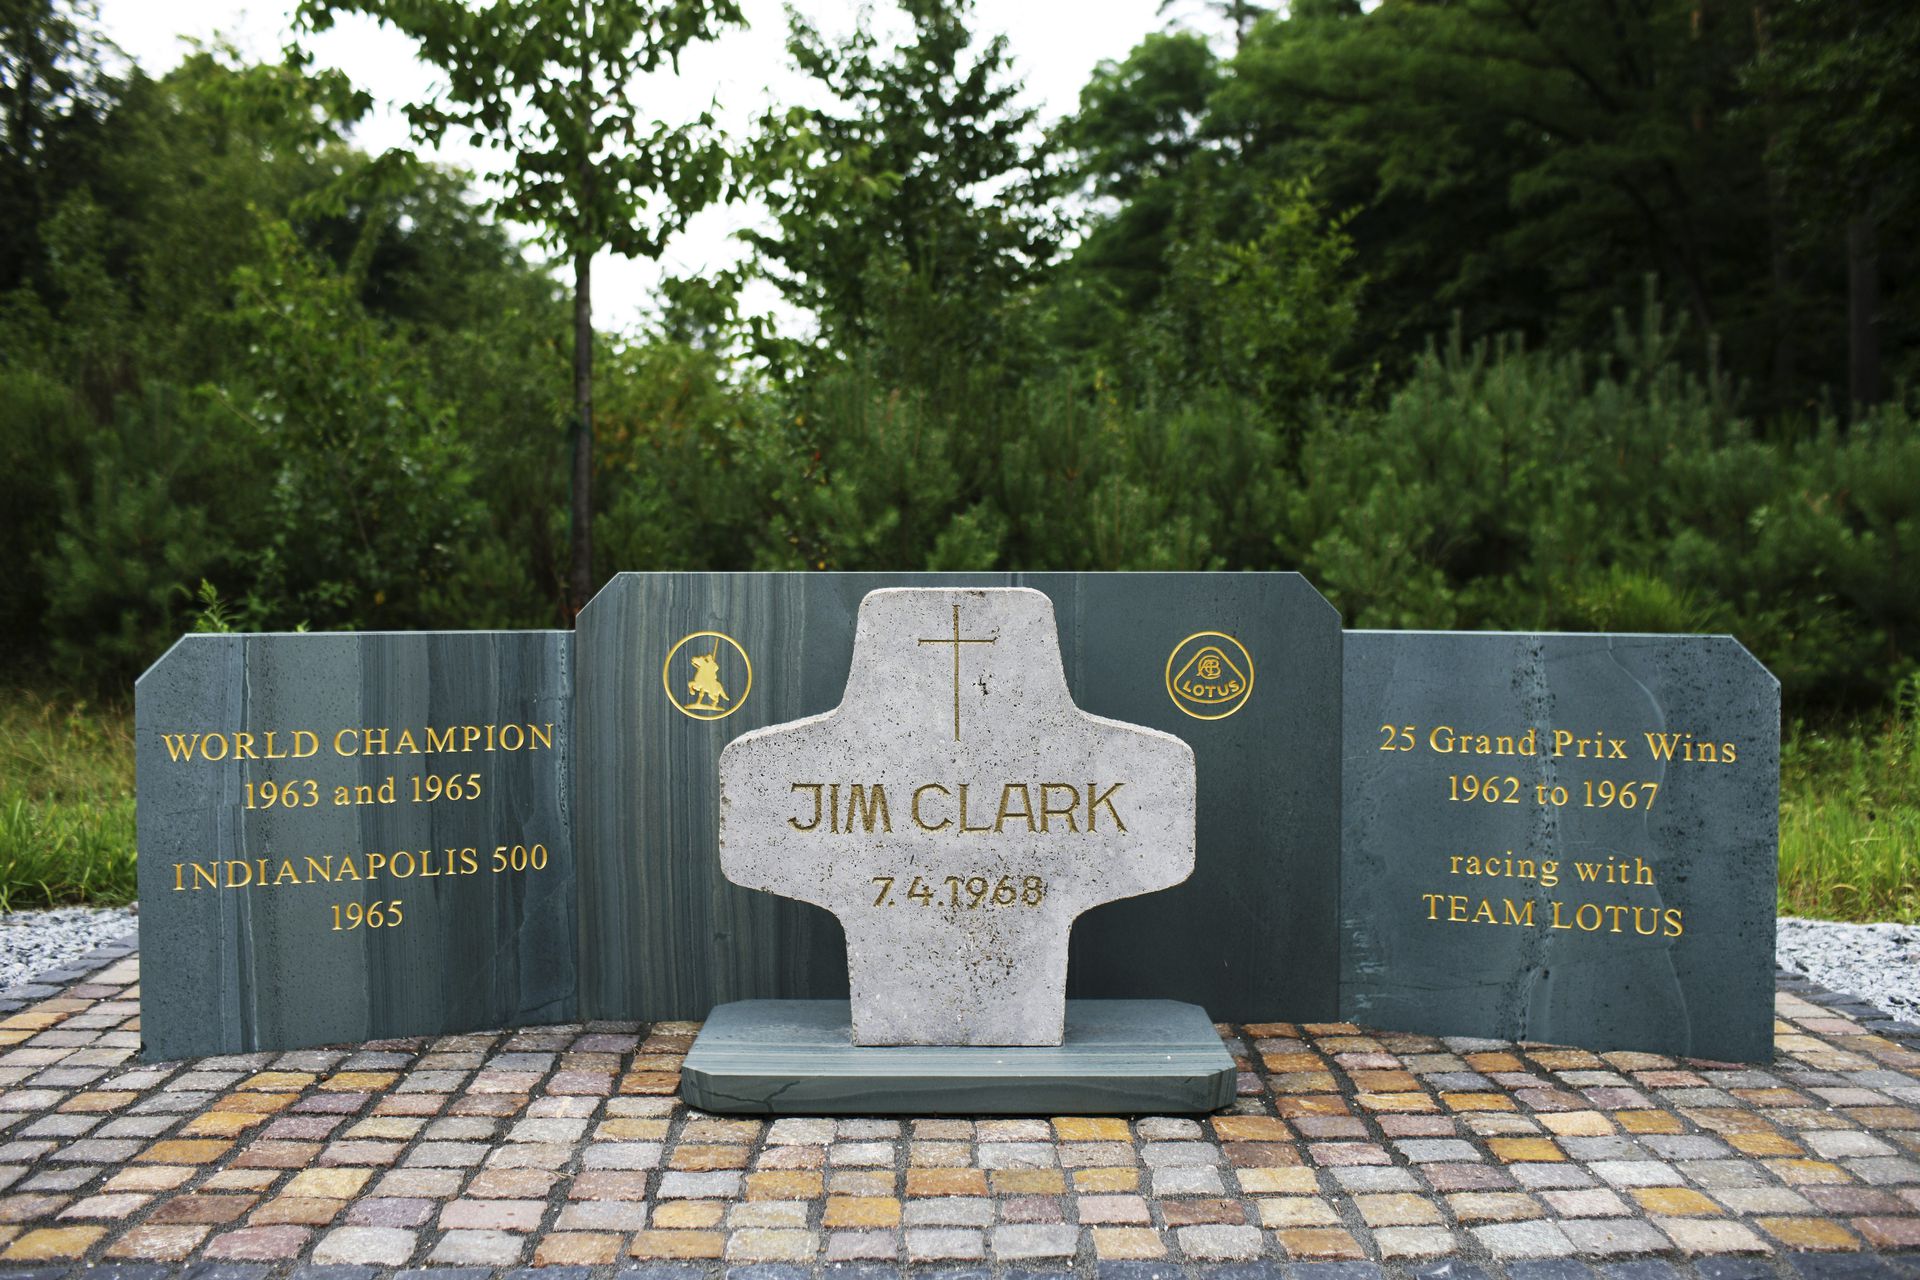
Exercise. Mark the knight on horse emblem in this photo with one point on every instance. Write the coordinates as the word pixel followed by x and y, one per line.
pixel 705 687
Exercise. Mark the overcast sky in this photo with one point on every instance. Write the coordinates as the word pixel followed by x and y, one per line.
pixel 1055 45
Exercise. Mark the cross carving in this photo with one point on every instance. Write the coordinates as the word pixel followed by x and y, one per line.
pixel 956 642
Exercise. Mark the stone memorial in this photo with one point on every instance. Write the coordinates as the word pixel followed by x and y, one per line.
pixel 351 837
pixel 957 812
pixel 1561 838
pixel 1244 668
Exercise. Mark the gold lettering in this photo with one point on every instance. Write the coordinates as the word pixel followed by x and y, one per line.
pixel 542 737
pixel 307 739
pixel 795 823
pixel 867 807
pixel 1024 811
pixel 243 747
pixel 922 823
pixel 1103 798
pixel 406 746
pixel 1048 811
pixel 964 828
pixel 339 740
pixel 519 737
pixel 439 740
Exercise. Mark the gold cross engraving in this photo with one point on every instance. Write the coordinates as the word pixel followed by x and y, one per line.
pixel 956 641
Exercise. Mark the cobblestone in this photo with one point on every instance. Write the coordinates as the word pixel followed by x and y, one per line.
pixel 564 1149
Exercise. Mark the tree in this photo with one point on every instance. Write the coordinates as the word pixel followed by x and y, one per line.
pixel 53 95
pixel 1525 162
pixel 1839 92
pixel 549 82
pixel 907 214
pixel 1138 133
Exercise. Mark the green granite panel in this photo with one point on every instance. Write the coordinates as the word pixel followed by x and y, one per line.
pixel 796 1057
pixel 236 966
pixel 1668 948
pixel 1252 936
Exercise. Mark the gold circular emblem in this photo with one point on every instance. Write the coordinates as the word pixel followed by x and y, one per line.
pixel 717 679
pixel 1209 675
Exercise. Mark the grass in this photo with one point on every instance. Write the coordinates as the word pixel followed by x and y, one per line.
pixel 1850 818
pixel 1849 810
pixel 66 803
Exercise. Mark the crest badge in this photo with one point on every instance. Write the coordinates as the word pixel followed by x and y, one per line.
pixel 707 675
pixel 1209 675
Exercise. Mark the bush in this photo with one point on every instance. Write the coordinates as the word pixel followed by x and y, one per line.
pixel 1513 490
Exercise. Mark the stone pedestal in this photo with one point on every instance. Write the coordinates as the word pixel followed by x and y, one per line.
pixel 797 1057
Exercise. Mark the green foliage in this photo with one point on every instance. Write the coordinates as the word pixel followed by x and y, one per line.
pixel 1500 488
pixel 1849 820
pixel 590 163
pixel 66 803
pixel 365 499
pixel 907 215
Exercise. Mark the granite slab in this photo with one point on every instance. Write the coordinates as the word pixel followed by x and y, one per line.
pixel 345 838
pixel 1561 838
pixel 1252 933
pixel 796 1057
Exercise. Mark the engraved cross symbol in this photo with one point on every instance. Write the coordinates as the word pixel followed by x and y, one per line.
pixel 956 641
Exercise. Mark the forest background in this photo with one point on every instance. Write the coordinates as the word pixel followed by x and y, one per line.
pixel 1521 314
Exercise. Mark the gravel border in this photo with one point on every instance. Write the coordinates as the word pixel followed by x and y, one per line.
pixel 36 943
pixel 1877 963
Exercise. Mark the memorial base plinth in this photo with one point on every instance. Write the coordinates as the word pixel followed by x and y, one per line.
pixel 797 1057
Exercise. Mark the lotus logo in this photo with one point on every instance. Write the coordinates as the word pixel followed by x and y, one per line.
pixel 1209 675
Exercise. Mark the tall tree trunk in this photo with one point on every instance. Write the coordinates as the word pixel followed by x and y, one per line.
pixel 580 581
pixel 1780 303
pixel 1863 312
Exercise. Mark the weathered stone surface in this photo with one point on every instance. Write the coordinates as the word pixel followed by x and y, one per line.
pixel 482 939
pixel 1252 933
pixel 1120 1057
pixel 957 812
pixel 1474 917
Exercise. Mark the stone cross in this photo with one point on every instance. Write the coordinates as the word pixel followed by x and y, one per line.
pixel 957 811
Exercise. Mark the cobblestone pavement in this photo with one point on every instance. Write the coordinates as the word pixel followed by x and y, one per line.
pixel 1350 1152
